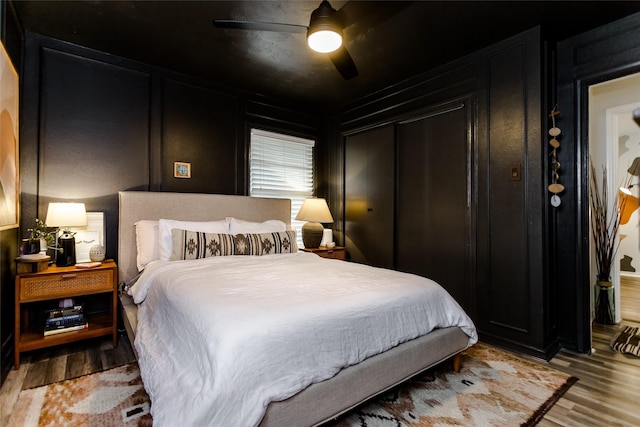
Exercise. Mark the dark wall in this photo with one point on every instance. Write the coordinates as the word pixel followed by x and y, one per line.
pixel 492 251
pixel 93 127
pixel 603 54
pixel 199 127
pixel 95 124
pixel 513 287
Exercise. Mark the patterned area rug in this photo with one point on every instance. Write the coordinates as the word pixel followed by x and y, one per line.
pixel 110 398
pixel 627 340
pixel 494 388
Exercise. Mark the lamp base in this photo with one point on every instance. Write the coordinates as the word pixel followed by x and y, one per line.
pixel 312 234
pixel 67 258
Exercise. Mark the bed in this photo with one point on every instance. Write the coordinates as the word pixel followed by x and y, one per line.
pixel 307 396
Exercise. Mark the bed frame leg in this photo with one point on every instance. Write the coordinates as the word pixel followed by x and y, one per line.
pixel 457 362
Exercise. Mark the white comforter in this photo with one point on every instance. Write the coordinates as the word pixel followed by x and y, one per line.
pixel 219 339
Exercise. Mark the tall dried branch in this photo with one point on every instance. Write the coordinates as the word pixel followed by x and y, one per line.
pixel 605 224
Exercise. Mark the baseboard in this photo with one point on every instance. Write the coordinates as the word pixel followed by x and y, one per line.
pixel 545 353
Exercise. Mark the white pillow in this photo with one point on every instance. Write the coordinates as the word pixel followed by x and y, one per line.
pixel 146 242
pixel 239 226
pixel 166 225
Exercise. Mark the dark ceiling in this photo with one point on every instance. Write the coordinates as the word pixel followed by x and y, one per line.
pixel 389 41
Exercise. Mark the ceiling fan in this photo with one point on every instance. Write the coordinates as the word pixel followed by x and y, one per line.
pixel 324 34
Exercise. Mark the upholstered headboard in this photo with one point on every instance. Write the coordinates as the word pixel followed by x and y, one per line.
pixel 138 205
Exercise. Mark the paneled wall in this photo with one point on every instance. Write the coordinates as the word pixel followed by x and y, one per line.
pixel 469 197
pixel 512 276
pixel 199 127
pixel 93 134
pixel 95 125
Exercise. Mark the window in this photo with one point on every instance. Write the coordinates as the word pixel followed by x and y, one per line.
pixel 281 166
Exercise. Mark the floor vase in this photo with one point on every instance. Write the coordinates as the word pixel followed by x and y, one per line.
pixel 604 311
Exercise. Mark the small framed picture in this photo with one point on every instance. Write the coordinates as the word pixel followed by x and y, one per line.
pixel 89 236
pixel 181 170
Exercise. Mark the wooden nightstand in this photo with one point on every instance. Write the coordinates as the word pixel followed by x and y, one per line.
pixel 337 252
pixel 34 290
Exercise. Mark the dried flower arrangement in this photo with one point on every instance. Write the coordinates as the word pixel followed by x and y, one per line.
pixel 605 224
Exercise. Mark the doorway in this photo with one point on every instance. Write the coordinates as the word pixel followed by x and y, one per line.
pixel 614 145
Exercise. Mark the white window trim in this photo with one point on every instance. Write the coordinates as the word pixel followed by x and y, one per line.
pixel 297 197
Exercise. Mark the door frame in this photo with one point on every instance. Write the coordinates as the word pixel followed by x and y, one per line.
pixel 595 56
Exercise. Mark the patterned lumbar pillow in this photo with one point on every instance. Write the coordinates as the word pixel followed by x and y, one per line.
pixel 280 242
pixel 197 245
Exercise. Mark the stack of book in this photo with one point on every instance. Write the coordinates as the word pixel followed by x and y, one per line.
pixel 59 320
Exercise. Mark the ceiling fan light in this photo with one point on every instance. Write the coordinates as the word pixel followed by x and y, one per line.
pixel 324 41
pixel 325 30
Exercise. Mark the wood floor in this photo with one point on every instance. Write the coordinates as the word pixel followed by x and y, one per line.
pixel 607 393
pixel 608 390
pixel 630 298
pixel 59 363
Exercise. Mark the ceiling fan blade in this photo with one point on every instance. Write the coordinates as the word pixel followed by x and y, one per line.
pixel 259 26
pixel 344 63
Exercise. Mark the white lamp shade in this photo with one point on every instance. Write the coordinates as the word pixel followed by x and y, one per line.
pixel 66 215
pixel 315 210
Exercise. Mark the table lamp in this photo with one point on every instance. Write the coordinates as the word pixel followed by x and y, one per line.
pixel 314 211
pixel 64 216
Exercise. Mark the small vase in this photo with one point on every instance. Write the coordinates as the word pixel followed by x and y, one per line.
pixel 97 253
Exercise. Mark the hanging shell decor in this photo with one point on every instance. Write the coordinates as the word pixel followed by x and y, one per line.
pixel 555 187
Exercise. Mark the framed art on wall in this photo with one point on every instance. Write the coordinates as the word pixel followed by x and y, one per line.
pixel 9 182
pixel 181 170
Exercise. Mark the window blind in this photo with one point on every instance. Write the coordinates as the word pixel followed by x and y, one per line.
pixel 281 166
